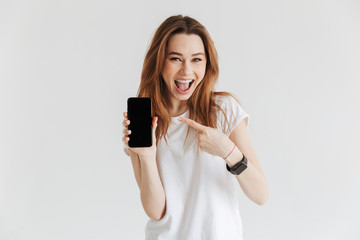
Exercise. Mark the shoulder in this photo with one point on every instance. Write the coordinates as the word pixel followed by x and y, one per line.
pixel 230 114
pixel 227 102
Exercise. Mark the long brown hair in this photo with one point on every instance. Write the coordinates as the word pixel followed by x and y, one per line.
pixel 202 106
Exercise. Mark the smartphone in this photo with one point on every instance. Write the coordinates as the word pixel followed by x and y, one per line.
pixel 139 110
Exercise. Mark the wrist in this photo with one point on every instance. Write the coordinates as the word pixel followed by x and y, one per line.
pixel 235 157
pixel 226 149
pixel 233 148
pixel 147 158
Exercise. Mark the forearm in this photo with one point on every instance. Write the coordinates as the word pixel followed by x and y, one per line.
pixel 251 180
pixel 151 189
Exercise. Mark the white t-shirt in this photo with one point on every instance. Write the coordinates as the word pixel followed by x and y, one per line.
pixel 200 192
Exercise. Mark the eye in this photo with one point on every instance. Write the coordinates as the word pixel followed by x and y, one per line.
pixel 197 59
pixel 175 59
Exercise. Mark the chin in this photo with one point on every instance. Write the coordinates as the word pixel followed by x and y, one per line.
pixel 183 97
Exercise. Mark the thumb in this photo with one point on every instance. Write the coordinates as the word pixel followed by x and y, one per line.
pixel 154 124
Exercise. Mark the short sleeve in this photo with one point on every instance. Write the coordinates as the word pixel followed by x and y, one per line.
pixel 234 114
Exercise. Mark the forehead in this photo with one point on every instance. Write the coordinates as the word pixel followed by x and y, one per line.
pixel 185 44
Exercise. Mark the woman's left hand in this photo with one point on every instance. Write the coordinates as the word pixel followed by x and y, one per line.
pixel 210 140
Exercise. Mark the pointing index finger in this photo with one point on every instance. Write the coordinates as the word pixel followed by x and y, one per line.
pixel 191 123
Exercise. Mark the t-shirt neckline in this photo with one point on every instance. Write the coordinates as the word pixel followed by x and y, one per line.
pixel 182 115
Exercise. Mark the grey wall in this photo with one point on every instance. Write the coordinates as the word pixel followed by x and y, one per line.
pixel 67 68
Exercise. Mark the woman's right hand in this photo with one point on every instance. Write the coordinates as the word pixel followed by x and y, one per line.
pixel 143 152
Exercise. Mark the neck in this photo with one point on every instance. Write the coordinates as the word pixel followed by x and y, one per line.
pixel 176 108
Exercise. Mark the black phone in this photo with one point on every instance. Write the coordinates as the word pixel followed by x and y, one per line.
pixel 139 110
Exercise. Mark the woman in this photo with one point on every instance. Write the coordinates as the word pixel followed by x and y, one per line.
pixel 201 141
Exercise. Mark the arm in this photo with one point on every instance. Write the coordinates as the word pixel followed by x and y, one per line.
pixel 151 189
pixel 135 161
pixel 215 142
pixel 152 193
pixel 252 180
pixel 147 176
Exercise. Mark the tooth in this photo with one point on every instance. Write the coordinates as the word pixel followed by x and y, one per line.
pixel 184 81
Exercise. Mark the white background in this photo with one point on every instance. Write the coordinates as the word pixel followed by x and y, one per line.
pixel 67 68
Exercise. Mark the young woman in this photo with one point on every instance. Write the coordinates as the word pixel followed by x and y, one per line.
pixel 200 141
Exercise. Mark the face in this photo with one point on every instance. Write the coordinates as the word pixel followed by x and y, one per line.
pixel 184 66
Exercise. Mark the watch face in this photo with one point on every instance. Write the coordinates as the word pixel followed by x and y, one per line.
pixel 240 168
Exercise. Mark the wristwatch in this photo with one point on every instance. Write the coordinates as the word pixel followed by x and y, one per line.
pixel 239 167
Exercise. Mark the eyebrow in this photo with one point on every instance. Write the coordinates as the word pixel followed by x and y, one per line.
pixel 176 53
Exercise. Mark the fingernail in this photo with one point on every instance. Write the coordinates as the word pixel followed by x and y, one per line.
pixel 179 118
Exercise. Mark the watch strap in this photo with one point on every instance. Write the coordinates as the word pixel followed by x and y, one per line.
pixel 239 167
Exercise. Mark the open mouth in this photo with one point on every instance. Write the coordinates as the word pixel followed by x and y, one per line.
pixel 184 85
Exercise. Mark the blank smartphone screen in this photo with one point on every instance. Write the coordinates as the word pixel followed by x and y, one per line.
pixel 140 116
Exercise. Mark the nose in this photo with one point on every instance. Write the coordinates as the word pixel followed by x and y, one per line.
pixel 186 68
